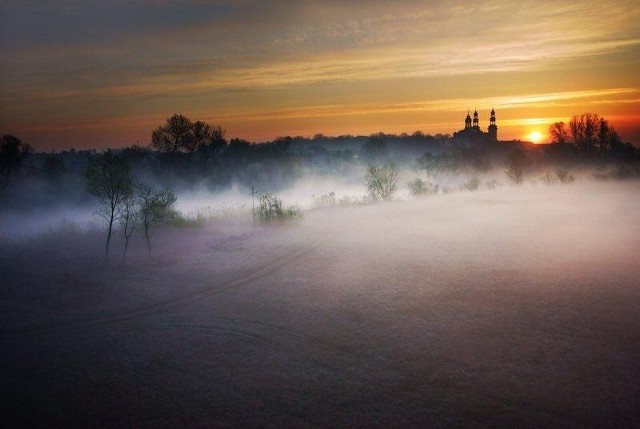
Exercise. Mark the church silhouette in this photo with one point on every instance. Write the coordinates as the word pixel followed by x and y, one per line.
pixel 472 135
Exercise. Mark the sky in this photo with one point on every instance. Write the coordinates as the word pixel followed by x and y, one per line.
pixel 97 74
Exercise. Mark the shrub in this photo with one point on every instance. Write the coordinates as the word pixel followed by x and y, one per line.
pixel 156 207
pixel 325 200
pixel 382 180
pixel 351 200
pixel 272 209
pixel 447 190
pixel 516 164
pixel 548 179
pixel 472 184
pixel 226 215
pixel 420 187
pixel 492 184
pixel 564 176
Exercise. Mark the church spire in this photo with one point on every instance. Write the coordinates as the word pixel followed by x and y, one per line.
pixel 467 121
pixel 493 128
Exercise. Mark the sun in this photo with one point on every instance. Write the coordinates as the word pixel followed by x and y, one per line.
pixel 535 136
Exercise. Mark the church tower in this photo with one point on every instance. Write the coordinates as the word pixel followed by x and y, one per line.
pixel 467 121
pixel 476 123
pixel 493 128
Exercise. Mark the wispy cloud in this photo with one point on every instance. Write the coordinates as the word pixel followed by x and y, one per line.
pixel 74 56
pixel 457 105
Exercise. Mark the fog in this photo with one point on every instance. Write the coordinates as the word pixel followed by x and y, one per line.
pixel 508 306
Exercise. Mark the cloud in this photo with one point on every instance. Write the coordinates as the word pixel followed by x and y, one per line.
pixel 140 54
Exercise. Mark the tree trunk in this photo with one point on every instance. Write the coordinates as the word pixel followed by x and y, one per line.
pixel 146 234
pixel 108 238
pixel 126 246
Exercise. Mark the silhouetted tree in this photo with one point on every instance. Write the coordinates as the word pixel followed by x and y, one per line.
pixel 180 134
pixel 128 220
pixel 584 130
pixel 559 133
pixel 109 180
pixel 155 208
pixel 382 180
pixel 176 135
pixel 198 134
pixel 516 164
pixel 429 164
pixel 211 144
pixel 13 152
pixel 608 139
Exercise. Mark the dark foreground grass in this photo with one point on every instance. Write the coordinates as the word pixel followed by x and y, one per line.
pixel 485 309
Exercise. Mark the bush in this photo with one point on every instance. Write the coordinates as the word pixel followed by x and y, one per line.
pixel 548 179
pixel 419 187
pixel 351 200
pixel 448 190
pixel 472 184
pixel 492 184
pixel 382 180
pixel 239 214
pixel 325 200
pixel 564 176
pixel 272 209
pixel 516 164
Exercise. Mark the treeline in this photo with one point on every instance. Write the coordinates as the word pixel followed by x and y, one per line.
pixel 590 134
pixel 184 153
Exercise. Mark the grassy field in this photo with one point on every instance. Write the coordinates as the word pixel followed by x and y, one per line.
pixel 506 308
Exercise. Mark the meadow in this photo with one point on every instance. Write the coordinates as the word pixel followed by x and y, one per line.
pixel 507 307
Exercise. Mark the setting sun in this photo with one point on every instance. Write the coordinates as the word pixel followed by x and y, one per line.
pixel 535 136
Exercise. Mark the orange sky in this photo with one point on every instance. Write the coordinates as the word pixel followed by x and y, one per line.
pixel 104 74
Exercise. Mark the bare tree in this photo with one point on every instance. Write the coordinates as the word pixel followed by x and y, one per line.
pixel 429 164
pixel 155 208
pixel 583 130
pixel 128 220
pixel 559 133
pixel 382 180
pixel 254 192
pixel 212 143
pixel 199 132
pixel 176 135
pixel 516 164
pixel 608 139
pixel 109 180
pixel 13 152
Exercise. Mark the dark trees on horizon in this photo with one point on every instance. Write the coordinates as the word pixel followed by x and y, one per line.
pixel 180 134
pixel 587 132
pixel 13 152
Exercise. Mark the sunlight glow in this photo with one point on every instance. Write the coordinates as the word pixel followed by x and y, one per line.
pixel 535 136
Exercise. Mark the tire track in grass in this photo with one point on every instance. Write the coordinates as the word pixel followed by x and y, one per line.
pixel 265 270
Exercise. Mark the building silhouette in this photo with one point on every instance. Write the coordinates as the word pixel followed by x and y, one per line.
pixel 472 135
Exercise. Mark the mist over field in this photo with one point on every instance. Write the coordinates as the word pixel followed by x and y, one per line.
pixel 319 214
pixel 505 306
